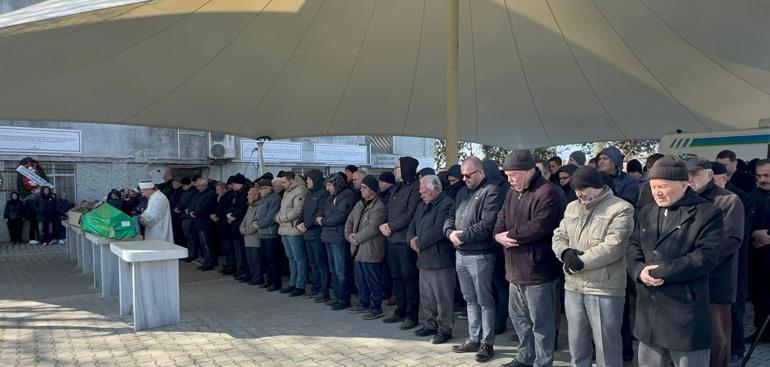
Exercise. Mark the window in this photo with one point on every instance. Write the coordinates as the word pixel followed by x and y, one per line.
pixel 60 175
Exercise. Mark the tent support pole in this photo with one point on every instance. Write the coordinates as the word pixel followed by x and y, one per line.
pixel 452 61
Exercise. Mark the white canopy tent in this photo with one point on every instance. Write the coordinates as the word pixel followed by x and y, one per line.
pixel 532 73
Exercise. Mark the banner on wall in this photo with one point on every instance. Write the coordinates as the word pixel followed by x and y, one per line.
pixel 39 141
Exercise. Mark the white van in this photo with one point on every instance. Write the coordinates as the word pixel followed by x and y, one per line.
pixel 747 144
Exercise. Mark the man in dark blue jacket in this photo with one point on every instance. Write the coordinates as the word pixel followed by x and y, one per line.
pixel 313 207
pixel 611 163
pixel 338 207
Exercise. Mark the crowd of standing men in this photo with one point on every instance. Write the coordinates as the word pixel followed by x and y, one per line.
pixel 527 242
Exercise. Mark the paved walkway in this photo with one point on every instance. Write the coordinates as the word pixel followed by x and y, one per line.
pixel 50 316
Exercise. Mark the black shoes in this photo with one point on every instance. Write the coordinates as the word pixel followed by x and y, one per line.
pixel 515 363
pixel 467 347
pixel 338 306
pixel 485 353
pixel 286 290
pixel 441 338
pixel 408 324
pixel 297 292
pixel 273 288
pixel 207 268
pixel 423 331
pixel 392 319
pixel 373 314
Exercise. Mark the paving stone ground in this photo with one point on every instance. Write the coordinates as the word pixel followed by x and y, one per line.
pixel 51 316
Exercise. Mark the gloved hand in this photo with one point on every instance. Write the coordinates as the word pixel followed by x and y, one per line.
pixel 571 260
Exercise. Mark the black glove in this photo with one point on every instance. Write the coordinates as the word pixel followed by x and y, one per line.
pixel 571 260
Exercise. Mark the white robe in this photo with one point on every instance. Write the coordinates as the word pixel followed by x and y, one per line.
pixel 157 218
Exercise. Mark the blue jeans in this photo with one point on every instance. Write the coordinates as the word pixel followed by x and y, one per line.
pixel 295 252
pixel 338 253
pixel 319 265
pixel 594 321
pixel 532 313
pixel 369 284
pixel 475 273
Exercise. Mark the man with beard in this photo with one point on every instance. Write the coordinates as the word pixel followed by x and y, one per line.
pixel 470 229
pixel 760 251
pixel 156 219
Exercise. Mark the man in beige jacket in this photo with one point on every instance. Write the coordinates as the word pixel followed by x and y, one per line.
pixel 293 242
pixel 591 241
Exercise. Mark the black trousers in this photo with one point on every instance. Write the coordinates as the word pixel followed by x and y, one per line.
pixel 406 282
pixel 201 242
pixel 759 288
pixel 239 249
pixel 273 260
pixel 15 228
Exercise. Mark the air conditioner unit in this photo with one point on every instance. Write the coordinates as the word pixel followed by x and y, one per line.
pixel 221 146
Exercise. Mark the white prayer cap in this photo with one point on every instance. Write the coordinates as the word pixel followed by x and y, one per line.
pixel 144 185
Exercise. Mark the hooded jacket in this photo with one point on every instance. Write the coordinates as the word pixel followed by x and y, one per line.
pixel 45 207
pixel 436 251
pixel 530 217
pixel 724 278
pixel 364 223
pixel 404 202
pixel 683 240
pixel 600 229
pixel 313 207
pixel 14 208
pixel 625 186
pixel 291 207
pixel 336 210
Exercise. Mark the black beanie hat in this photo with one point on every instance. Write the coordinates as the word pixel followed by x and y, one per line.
pixel 519 160
pixel 239 179
pixel 426 171
pixel 388 177
pixel 185 181
pixel 569 169
pixel 584 177
pixel 371 182
pixel 669 168
pixel 579 157
pixel 718 168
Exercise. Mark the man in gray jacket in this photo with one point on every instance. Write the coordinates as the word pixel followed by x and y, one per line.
pixel 435 259
pixel 268 233
pixel 591 241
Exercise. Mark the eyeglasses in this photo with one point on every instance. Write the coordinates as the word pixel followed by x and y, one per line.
pixel 468 175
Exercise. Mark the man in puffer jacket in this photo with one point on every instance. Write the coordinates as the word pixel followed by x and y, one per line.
pixel 367 246
pixel 45 207
pixel 336 211
pixel 591 241
pixel 293 242
pixel 401 259
pixel 313 207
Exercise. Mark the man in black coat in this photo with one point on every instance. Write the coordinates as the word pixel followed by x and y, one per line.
pixel 401 259
pixel 674 248
pixel 723 279
pixel 738 177
pixel 234 218
pixel 435 259
pixel 224 237
pixel 760 251
pixel 201 206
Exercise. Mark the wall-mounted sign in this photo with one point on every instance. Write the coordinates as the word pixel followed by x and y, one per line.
pixel 275 151
pixel 39 141
pixel 384 160
pixel 341 154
